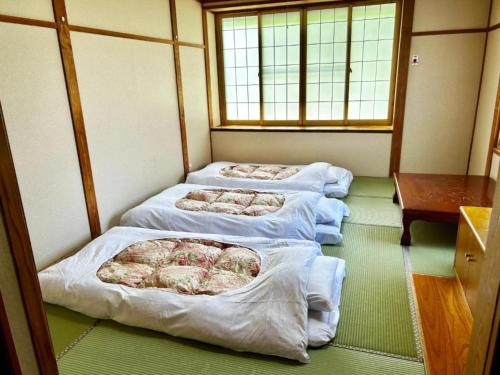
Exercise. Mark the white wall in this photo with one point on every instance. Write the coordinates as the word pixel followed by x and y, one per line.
pixel 38 121
pixel 189 24
pixel 37 9
pixel 371 156
pixel 127 89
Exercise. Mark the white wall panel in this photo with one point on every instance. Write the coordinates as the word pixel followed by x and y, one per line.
pixel 486 108
pixel 495 164
pixel 129 101
pixel 495 13
pixel 364 154
pixel 195 106
pixel 189 24
pixel 38 120
pixel 149 18
pixel 440 103
pixel 450 14
pixel 37 9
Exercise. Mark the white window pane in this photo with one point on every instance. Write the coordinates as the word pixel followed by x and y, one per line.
pixel 228 39
pixel 293 55
pixel 251 22
pixel 280 19
pixel 312 73
pixel 313 33
pixel 268 93
pixel 368 91
pixel 241 57
pixel 313 54
pixel 357 30
pixel 355 91
pixel 339 52
pixel 369 71
pixel 341 14
pixel 267 36
pixel 381 110
pixel 370 50
pixel 387 10
pixel 356 70
pixel 293 93
pixel 253 76
pixel 337 110
pixel 353 111
pixel 267 20
pixel 241 76
pixel 371 29
pixel 293 35
pixel 253 111
pixel 366 110
pixel 386 28
pixel 229 58
pixel 268 111
pixel 340 32
pixel 242 92
pixel 268 75
pixel 280 111
pixel 280 93
pixel 385 49
pixel 372 12
pixel 280 36
pixel 231 94
pixel 325 111
pixel 313 16
pixel 280 55
pixel 240 39
pixel 253 93
pixel 356 51
pixel 293 74
pixel 239 23
pixel 312 92
pixel 268 56
pixel 293 18
pixel 383 70
pixel 327 15
pixel 227 23
pixel 358 13
pixel 292 111
pixel 382 90
pixel 326 72
pixel 253 57
pixel 280 74
pixel 338 91
pixel 252 38
pixel 325 92
pixel 242 111
pixel 312 111
pixel 232 111
pixel 326 53
pixel 327 30
pixel 230 76
pixel 339 72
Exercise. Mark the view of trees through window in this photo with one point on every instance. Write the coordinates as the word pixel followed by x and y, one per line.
pixel 345 75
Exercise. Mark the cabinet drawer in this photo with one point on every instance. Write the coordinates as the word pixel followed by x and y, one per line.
pixel 464 243
pixel 475 261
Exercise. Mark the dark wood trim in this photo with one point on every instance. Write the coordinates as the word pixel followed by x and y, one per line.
pixel 178 79
pixel 22 255
pixel 496 151
pixel 221 6
pixel 189 44
pixel 92 30
pixel 452 31
pixel 27 21
pixel 403 62
pixel 9 363
pixel 494 27
pixel 208 78
pixel 471 144
pixel 303 129
pixel 75 104
pixel 495 129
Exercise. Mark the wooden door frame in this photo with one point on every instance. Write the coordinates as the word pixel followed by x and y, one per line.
pixel 11 208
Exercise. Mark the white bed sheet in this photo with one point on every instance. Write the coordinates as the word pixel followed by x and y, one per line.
pixel 267 316
pixel 328 234
pixel 296 219
pixel 312 177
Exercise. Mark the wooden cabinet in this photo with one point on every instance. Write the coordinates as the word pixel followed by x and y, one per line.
pixel 469 255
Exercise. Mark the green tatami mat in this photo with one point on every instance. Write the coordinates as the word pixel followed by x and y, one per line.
pixel 115 349
pixel 65 326
pixel 432 249
pixel 372 187
pixel 373 211
pixel 375 310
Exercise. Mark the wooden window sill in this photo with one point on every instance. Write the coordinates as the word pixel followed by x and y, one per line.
pixel 305 129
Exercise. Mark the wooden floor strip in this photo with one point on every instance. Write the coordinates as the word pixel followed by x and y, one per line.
pixel 445 321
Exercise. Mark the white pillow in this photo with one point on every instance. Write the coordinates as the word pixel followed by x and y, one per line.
pixel 328 234
pixel 331 211
pixel 334 174
pixel 322 283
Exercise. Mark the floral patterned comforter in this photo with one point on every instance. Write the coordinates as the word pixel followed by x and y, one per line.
pixel 186 266
pixel 259 172
pixel 235 202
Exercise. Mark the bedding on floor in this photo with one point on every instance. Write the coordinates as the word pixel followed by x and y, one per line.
pixel 312 177
pixel 247 294
pixel 243 212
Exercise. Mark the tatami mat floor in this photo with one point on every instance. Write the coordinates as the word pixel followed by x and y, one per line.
pixel 376 333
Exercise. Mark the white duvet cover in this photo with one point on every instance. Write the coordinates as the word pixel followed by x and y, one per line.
pixel 312 177
pixel 296 219
pixel 267 316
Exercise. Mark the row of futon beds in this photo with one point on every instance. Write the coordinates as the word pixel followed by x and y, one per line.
pixel 232 258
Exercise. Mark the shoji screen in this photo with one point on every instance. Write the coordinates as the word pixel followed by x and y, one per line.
pixel 192 59
pixel 38 121
pixel 129 101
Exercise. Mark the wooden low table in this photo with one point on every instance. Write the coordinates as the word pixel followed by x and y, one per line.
pixel 437 197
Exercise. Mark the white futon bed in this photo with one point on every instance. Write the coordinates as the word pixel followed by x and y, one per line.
pixel 319 177
pixel 256 213
pixel 260 295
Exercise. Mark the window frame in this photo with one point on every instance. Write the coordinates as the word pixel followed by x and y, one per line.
pixel 302 121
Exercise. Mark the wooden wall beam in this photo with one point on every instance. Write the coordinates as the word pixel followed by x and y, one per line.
pixel 178 79
pixel 63 34
pixel 208 78
pixel 22 254
pixel 494 134
pixel 401 83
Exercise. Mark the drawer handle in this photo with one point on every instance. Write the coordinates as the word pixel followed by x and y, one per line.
pixel 469 258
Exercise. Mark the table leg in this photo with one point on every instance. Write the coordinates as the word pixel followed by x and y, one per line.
pixel 406 236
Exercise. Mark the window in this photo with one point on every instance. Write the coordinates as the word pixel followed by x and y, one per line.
pixel 328 65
